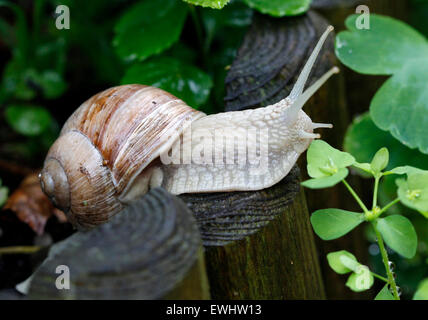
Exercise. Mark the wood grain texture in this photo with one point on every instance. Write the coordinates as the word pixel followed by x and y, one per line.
pixel 151 250
pixel 259 245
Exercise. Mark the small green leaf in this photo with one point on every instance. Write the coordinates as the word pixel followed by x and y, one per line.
pixel 422 292
pixel 148 28
pixel 384 294
pixel 382 49
pixel 326 182
pixel 366 167
pixel 180 79
pixel 331 224
pixel 413 192
pixel 380 160
pixel 324 160
pixel 279 8
pixel 215 4
pixel 27 119
pixel 3 195
pixel 360 280
pixel 342 261
pixel 399 234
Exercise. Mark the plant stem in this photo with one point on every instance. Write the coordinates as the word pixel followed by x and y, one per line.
pixel 200 33
pixel 379 277
pixel 356 197
pixel 19 250
pixel 385 260
pixel 376 187
pixel 389 205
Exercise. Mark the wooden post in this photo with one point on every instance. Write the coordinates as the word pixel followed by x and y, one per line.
pixel 151 250
pixel 259 245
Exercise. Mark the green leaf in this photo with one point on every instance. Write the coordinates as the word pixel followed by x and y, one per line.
pixel 331 224
pixel 382 49
pixel 27 119
pixel 380 160
pixel 3 195
pixel 182 80
pixel 401 104
pixel 363 139
pixel 360 280
pixel 413 192
pixel 384 294
pixel 326 182
pixel 399 234
pixel 342 261
pixel 215 4
pixel 279 8
pixel 51 83
pixel 366 167
pixel 422 292
pixel 324 160
pixel 148 28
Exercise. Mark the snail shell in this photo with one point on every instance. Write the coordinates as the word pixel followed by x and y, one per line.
pixel 107 142
pixel 143 253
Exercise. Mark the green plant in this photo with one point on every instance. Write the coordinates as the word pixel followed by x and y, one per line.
pixel 327 167
pixel 150 40
pixel 396 117
pixel 36 69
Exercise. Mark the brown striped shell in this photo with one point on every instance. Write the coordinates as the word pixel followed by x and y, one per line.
pixel 105 144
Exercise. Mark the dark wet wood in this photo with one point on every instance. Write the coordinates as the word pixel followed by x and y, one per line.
pixel 259 245
pixel 151 250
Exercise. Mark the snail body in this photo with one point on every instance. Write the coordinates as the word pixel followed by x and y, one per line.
pixel 129 139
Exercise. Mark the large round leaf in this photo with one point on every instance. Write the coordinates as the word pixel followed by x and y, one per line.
pixel 363 139
pixel 401 105
pixel 149 27
pixel 182 80
pixel 280 8
pixel 381 49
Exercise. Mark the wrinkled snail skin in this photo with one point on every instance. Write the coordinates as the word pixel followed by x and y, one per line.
pixel 113 148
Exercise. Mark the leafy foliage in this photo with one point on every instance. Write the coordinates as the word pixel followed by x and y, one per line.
pixel 184 81
pixel 215 4
pixel 391 47
pixel 396 230
pixel 148 28
pixel 280 8
pixel 344 262
pixel 28 119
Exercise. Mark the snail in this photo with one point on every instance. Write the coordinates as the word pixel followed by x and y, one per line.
pixel 126 140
